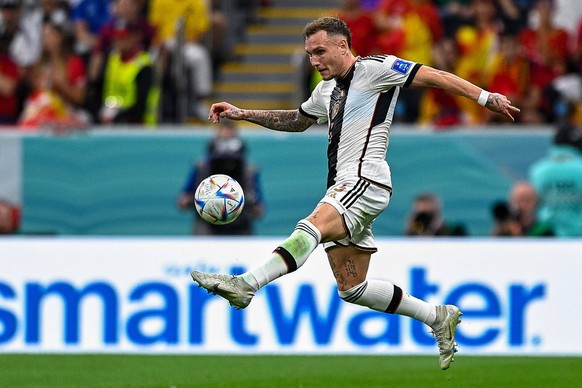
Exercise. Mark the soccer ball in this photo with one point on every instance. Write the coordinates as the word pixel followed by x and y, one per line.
pixel 219 199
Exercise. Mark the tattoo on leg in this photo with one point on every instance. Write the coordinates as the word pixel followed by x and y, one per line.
pixel 332 263
pixel 341 280
pixel 351 269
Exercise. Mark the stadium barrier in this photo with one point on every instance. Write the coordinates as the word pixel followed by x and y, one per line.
pixel 135 295
pixel 126 182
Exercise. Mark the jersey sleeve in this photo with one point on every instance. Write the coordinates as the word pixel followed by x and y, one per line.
pixel 315 107
pixel 393 71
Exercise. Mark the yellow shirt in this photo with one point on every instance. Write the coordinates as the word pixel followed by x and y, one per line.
pixel 418 37
pixel 119 88
pixel 164 15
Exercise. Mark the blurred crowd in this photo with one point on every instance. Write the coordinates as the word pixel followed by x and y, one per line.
pixel 79 62
pixel 529 50
pixel 70 63
pixel 74 63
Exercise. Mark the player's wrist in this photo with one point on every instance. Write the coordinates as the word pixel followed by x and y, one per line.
pixel 483 97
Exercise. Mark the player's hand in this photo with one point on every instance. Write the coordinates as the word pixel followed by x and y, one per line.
pixel 224 110
pixel 499 103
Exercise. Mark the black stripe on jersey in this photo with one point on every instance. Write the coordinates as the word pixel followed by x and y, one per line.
pixel 412 74
pixel 381 109
pixel 335 130
pixel 337 103
pixel 380 113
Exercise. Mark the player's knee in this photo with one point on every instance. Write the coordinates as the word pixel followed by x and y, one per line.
pixel 353 294
pixel 306 226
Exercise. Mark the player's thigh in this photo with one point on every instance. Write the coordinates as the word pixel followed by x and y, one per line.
pixel 349 265
pixel 328 221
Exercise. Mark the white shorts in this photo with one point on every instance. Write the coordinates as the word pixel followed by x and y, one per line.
pixel 359 202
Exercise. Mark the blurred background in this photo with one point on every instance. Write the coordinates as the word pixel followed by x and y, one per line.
pixel 104 106
pixel 104 136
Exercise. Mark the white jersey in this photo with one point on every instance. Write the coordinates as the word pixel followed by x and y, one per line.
pixel 359 135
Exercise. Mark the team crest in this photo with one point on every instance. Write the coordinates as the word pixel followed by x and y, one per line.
pixel 336 99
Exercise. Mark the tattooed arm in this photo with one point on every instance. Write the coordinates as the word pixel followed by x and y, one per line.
pixel 495 102
pixel 279 120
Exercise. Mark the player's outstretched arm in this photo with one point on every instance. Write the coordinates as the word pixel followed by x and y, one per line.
pixel 279 120
pixel 495 102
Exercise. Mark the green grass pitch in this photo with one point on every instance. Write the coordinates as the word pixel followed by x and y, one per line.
pixel 22 370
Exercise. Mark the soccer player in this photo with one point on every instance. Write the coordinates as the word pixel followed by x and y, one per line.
pixel 356 98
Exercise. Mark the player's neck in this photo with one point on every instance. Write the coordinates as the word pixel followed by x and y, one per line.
pixel 344 74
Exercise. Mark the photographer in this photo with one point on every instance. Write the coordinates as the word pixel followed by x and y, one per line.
pixel 226 155
pixel 426 219
pixel 518 216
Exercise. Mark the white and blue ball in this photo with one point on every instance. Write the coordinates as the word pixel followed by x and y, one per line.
pixel 219 199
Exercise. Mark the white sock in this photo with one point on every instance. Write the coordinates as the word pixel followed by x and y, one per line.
pixel 417 309
pixel 386 297
pixel 374 294
pixel 287 257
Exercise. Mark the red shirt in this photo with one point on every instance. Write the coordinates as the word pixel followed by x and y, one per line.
pixel 9 104
pixel 363 33
pixel 107 35
pixel 76 70
pixel 545 69
pixel 395 40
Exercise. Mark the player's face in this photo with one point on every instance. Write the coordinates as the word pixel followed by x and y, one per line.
pixel 327 54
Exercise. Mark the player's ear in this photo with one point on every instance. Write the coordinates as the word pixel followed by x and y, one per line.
pixel 344 46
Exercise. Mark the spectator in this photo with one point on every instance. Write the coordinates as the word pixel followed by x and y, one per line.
pixel 477 43
pixel 47 9
pixel 165 15
pixel 10 78
pixel 523 9
pixel 226 155
pixel 454 14
pixel 408 29
pixel 566 88
pixel 509 15
pixel 577 54
pixel 88 17
pixel 567 14
pixel 125 90
pixel 128 11
pixel 509 71
pixel 438 107
pixel 547 47
pixel 222 35
pixel 361 23
pixel 58 81
pixel 9 217
pixel 518 216
pixel 557 179
pixel 426 219
pixel 21 32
